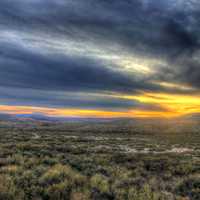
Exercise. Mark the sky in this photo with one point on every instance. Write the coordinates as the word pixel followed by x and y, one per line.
pixel 100 58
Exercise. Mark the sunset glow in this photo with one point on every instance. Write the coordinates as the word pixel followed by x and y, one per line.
pixel 173 106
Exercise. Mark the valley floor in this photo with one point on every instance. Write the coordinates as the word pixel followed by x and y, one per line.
pixel 80 161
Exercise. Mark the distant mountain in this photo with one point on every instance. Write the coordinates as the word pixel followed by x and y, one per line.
pixel 28 118
pixel 7 117
pixel 195 116
pixel 38 117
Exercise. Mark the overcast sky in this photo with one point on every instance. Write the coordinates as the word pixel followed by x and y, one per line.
pixel 131 57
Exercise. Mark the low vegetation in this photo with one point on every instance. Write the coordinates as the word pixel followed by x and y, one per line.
pixel 82 162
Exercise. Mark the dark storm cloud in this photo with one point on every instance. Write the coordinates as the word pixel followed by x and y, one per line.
pixel 187 71
pixel 54 99
pixel 28 69
pixel 150 27
pixel 29 97
pixel 29 57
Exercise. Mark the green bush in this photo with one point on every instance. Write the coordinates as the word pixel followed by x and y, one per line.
pixel 100 183
pixel 59 191
pixel 62 173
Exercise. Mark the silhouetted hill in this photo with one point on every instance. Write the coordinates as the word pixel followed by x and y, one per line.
pixel 7 117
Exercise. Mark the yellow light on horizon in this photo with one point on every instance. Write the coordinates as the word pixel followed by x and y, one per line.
pixel 176 104
pixel 172 105
pixel 79 112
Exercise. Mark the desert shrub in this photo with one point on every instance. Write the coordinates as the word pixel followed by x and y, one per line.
pixel 16 159
pixel 10 169
pixel 85 195
pixel 156 165
pixel 39 170
pixel 31 162
pixel 27 181
pixel 49 161
pixel 156 183
pixel 120 172
pixel 59 191
pixel 183 168
pixel 190 188
pixel 55 174
pixel 132 192
pixel 120 193
pixel 87 168
pixel 144 193
pixel 3 162
pixel 100 183
pixel 8 191
pixel 59 173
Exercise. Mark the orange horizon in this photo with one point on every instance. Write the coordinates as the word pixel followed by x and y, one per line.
pixel 172 105
pixel 63 112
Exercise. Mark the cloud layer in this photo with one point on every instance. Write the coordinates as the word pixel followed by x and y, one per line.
pixel 91 54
